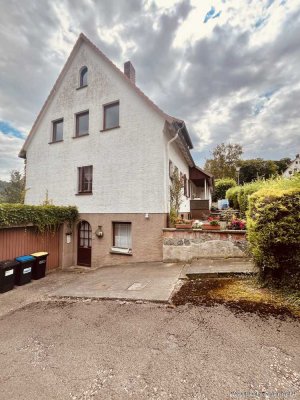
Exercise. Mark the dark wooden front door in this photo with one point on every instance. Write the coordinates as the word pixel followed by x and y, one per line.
pixel 84 246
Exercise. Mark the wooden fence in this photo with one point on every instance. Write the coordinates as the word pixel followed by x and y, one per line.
pixel 16 242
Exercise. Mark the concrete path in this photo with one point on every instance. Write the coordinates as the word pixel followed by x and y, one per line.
pixel 142 281
pixel 224 266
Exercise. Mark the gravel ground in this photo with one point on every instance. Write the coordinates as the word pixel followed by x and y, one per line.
pixel 82 350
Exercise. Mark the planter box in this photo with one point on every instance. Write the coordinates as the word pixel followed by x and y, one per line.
pixel 209 227
pixel 183 226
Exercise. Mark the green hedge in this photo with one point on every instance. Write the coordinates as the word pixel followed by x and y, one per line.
pixel 274 230
pixel 43 217
pixel 232 196
pixel 221 186
pixel 238 196
pixel 245 191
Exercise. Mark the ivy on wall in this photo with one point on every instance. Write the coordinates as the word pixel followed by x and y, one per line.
pixel 45 218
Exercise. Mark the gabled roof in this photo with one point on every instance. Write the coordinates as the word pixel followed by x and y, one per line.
pixel 83 38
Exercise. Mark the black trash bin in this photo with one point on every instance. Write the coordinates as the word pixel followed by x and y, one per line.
pixel 39 267
pixel 7 275
pixel 24 269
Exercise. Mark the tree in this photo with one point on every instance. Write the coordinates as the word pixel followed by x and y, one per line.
pixel 175 196
pixel 282 164
pixel 225 159
pixel 250 170
pixel 15 189
pixel 221 187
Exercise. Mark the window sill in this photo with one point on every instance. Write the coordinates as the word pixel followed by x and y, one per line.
pixel 84 194
pixel 79 136
pixel 124 252
pixel 110 129
pixel 81 87
pixel 56 141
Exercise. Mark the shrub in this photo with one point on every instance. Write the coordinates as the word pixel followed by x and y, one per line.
pixel 221 186
pixel 43 217
pixel 245 191
pixel 232 196
pixel 274 230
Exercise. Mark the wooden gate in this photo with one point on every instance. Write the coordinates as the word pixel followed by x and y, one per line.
pixel 16 242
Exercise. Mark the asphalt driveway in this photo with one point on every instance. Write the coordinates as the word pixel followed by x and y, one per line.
pixel 88 350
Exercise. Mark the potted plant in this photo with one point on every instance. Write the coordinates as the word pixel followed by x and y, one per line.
pixel 212 224
pixel 237 224
pixel 197 224
pixel 183 223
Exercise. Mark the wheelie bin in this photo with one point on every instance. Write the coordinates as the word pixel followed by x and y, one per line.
pixel 39 266
pixel 24 269
pixel 7 275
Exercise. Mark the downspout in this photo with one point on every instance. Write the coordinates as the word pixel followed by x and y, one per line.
pixel 167 167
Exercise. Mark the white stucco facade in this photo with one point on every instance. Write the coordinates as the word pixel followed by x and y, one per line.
pixel 129 163
pixel 293 168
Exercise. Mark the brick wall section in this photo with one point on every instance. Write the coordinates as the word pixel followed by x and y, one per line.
pixel 147 238
pixel 188 244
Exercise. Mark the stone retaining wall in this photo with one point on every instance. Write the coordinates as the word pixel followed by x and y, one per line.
pixel 189 244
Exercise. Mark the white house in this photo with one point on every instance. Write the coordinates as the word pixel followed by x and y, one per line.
pixel 101 144
pixel 293 168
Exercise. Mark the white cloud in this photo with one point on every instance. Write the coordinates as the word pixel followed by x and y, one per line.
pixel 9 148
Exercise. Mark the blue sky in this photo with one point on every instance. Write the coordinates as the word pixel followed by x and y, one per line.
pixel 230 69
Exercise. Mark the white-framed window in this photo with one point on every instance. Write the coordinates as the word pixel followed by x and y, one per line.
pixel 122 236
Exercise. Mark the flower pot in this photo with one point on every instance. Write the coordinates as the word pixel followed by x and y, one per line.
pixel 183 226
pixel 211 227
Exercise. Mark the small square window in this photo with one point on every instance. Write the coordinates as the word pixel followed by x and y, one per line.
pixel 82 123
pixel 111 116
pixel 85 179
pixel 57 130
pixel 122 235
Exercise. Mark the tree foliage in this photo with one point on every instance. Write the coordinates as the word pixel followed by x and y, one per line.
pixel 251 170
pixel 14 191
pixel 221 187
pixel 224 161
pixel 282 164
pixel 175 195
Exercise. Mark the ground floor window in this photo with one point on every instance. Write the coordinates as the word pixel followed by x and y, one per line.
pixel 122 235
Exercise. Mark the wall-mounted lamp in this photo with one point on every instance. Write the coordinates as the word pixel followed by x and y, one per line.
pixel 147 216
pixel 99 232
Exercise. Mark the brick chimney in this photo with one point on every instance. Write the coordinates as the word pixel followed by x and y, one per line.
pixel 129 71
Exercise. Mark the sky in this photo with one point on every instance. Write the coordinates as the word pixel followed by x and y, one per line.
pixel 230 69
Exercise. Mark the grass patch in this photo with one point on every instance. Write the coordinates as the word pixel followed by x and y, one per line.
pixel 240 294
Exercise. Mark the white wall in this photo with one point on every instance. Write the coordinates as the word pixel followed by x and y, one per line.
pixel 128 163
pixel 293 168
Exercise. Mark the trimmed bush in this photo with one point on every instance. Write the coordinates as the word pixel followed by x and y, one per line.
pixel 43 217
pixel 245 191
pixel 274 231
pixel 232 196
pixel 221 187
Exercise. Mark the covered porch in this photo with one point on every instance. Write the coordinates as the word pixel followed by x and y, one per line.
pixel 201 192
